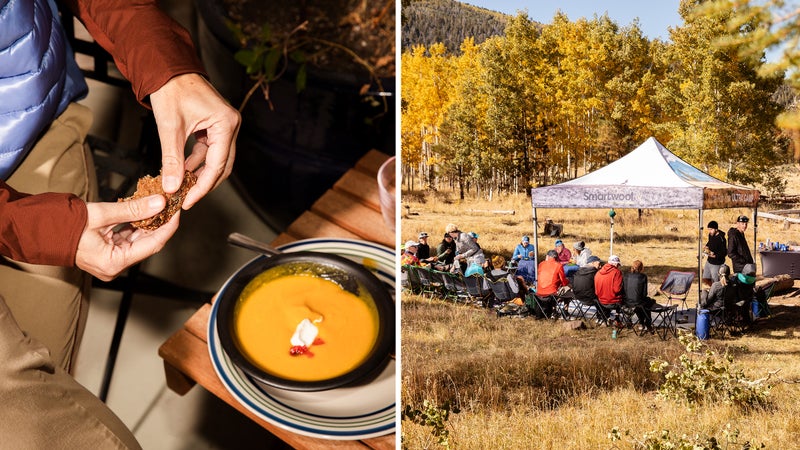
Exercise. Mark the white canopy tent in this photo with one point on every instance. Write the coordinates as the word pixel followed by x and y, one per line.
pixel 649 177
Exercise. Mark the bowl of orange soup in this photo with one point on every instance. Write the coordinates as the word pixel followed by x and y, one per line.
pixel 306 321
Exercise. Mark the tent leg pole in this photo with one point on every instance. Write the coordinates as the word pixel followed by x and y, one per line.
pixel 699 254
pixel 535 245
pixel 755 233
pixel 611 215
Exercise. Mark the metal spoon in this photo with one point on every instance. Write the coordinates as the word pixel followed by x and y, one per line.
pixel 249 243
pixel 347 281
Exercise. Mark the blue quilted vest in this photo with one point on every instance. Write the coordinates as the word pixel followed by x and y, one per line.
pixel 38 76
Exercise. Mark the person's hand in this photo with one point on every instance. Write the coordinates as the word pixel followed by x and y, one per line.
pixel 185 105
pixel 106 249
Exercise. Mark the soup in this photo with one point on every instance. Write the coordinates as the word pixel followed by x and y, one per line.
pixel 278 304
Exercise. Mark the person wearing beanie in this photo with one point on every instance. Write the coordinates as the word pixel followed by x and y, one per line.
pixel 716 249
pixel 564 255
pixel 738 250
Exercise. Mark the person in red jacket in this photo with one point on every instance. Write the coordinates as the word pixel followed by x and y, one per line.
pixel 550 278
pixel 608 283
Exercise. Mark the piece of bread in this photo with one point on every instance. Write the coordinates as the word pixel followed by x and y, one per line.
pixel 148 185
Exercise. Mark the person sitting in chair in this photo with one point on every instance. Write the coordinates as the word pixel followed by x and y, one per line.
pixel 499 270
pixel 608 284
pixel 583 281
pixel 564 255
pixel 551 228
pixel 445 254
pixel 523 251
pixel 475 265
pixel 409 257
pixel 551 278
pixel 739 295
pixel 714 297
pixel 583 253
pixel 634 284
pixel 525 256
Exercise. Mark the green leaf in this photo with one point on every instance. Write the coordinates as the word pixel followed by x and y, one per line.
pixel 270 66
pixel 246 58
pixel 300 81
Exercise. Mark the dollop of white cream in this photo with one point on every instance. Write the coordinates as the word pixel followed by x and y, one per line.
pixel 305 333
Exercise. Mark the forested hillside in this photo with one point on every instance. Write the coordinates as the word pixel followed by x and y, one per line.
pixel 427 22
pixel 544 103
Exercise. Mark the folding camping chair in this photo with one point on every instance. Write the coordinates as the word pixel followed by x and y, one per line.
pixel 664 320
pixel 733 317
pixel 527 270
pixel 761 296
pixel 413 283
pixel 503 291
pixel 478 288
pixel 676 287
pixel 567 306
pixel 454 287
pixel 430 284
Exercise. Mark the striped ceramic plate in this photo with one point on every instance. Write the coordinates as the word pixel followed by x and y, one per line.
pixel 347 413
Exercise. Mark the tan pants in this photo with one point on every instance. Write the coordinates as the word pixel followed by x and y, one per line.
pixel 43 312
pixel 43 407
pixel 51 303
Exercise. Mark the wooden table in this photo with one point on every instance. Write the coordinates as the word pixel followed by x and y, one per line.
pixel 348 210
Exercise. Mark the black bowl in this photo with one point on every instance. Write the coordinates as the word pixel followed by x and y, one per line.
pixel 346 273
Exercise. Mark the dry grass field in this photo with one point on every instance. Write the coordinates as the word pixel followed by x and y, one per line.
pixel 526 383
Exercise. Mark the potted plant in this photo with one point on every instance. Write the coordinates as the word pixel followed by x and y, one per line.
pixel 315 83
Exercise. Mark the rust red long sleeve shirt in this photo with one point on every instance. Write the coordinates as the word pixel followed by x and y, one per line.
pixel 149 48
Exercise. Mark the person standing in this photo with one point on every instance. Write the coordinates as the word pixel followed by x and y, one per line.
pixel 716 249
pixel 467 249
pixel 738 250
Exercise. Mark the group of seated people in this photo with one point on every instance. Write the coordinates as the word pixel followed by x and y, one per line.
pixel 597 284
pixel 732 291
pixel 589 279
pixel 457 252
